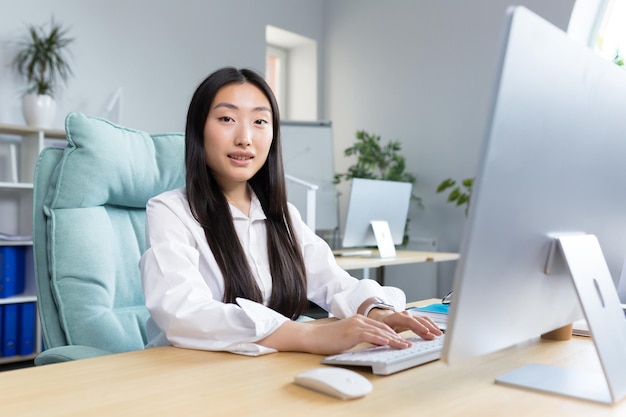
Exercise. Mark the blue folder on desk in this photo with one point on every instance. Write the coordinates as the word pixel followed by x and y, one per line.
pixel 433 308
pixel 437 311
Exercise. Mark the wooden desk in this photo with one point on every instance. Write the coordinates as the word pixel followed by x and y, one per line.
pixel 179 382
pixel 402 257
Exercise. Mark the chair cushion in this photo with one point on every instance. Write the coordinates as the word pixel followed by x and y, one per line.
pixel 95 208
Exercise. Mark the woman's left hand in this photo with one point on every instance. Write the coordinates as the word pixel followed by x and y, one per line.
pixel 422 326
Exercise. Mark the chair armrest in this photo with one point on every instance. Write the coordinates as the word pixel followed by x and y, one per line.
pixel 68 353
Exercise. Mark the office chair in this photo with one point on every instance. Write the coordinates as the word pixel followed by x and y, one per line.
pixel 88 234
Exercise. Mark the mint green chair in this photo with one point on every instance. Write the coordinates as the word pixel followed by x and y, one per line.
pixel 88 235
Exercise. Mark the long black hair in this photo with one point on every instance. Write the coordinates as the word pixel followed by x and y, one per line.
pixel 210 208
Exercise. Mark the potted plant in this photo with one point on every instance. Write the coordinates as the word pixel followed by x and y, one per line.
pixel 42 60
pixel 459 194
pixel 376 161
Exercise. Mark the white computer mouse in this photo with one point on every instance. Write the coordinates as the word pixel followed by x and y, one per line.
pixel 337 382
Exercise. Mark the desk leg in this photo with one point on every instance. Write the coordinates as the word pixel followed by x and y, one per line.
pixel 380 275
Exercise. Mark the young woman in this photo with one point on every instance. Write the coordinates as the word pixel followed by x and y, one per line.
pixel 230 265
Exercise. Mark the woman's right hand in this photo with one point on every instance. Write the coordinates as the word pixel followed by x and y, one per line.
pixel 333 337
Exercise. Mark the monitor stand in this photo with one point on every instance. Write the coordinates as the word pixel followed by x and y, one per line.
pixel 384 240
pixel 601 306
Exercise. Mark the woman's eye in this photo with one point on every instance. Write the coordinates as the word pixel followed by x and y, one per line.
pixel 261 122
pixel 226 119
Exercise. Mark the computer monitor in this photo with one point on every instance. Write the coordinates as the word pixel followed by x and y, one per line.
pixel 376 200
pixel 552 176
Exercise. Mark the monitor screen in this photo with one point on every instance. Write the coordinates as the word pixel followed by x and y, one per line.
pixel 552 164
pixel 376 200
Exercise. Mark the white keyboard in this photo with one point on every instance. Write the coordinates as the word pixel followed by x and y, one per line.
pixel 385 360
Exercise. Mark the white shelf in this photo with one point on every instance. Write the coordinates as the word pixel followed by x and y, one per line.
pixel 19 299
pixel 18 358
pixel 16 185
pixel 19 130
pixel 16 243
pixel 16 210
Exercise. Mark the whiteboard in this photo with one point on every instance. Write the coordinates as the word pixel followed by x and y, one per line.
pixel 308 155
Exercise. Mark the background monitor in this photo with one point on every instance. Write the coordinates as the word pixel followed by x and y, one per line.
pixel 553 163
pixel 376 200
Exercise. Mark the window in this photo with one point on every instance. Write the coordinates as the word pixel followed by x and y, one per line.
pixel 276 74
pixel 291 71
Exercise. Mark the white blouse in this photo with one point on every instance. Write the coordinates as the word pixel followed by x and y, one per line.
pixel 184 287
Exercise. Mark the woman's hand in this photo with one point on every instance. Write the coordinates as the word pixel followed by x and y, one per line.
pixel 333 337
pixel 422 326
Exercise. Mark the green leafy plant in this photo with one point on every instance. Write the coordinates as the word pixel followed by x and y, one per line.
pixel 459 194
pixel 376 161
pixel 379 162
pixel 42 58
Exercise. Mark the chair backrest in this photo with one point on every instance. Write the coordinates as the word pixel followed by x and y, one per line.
pixel 89 230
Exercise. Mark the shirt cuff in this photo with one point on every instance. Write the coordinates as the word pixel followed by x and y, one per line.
pixel 250 349
pixel 265 320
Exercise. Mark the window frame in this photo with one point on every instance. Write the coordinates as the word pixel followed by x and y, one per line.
pixel 282 94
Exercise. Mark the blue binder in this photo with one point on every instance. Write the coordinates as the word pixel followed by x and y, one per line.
pixel 12 270
pixel 9 331
pixel 26 331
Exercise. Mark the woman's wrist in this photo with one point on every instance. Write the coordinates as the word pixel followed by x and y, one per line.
pixel 373 303
pixel 290 336
pixel 365 304
pixel 379 314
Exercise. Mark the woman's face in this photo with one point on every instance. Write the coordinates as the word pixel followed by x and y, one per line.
pixel 238 134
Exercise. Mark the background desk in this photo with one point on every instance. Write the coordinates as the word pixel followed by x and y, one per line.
pixel 402 257
pixel 179 382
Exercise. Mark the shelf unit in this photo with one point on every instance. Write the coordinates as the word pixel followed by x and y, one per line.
pixel 21 146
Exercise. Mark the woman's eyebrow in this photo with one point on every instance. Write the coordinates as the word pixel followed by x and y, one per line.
pixel 225 104
pixel 263 108
pixel 234 107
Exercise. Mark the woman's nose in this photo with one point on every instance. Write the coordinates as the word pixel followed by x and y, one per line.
pixel 244 136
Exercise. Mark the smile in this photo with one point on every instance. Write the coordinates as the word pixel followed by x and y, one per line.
pixel 240 158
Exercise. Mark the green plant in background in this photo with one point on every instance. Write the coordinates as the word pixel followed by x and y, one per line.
pixel 41 58
pixel 459 194
pixel 378 162
pixel 375 161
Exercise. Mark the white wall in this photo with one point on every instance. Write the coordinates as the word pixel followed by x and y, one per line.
pixel 303 86
pixel 157 50
pixel 421 72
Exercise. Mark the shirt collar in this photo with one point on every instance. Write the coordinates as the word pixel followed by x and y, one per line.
pixel 256 211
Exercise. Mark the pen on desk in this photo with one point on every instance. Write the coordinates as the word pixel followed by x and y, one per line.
pixel 447 299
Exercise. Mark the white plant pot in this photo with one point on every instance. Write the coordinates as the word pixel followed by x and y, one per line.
pixel 39 110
